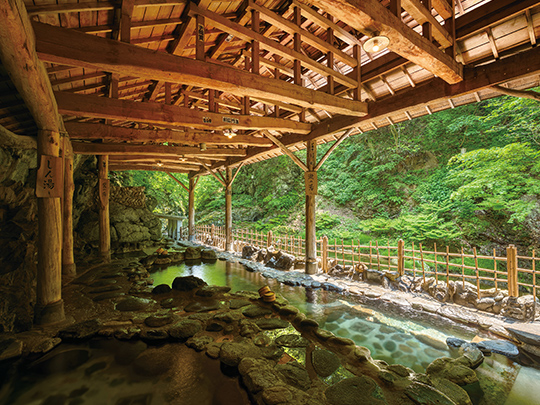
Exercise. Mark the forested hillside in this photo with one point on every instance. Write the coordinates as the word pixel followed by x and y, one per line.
pixel 466 176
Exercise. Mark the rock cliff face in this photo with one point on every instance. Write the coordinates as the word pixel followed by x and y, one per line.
pixel 132 223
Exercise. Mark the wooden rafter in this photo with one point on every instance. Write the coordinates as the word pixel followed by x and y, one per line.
pixel 58 45
pixel 85 148
pixel 370 16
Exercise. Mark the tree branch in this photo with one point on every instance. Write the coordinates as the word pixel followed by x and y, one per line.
pixel 518 93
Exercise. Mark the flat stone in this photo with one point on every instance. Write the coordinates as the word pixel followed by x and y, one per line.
pixel 199 343
pixel 323 334
pixel 108 296
pixel 133 304
pixel 452 370
pixel 473 354
pixel 526 333
pixel 271 323
pixel 10 349
pixel 156 321
pixel 457 314
pixel 453 391
pixel 153 361
pixel 104 289
pixel 499 346
pixel 295 375
pixel 237 303
pixel 202 306
pixel 161 289
pixel 288 310
pixel 430 341
pixel 355 391
pixel 255 311
pixel 453 342
pixel 423 394
pixel 211 290
pixel 46 345
pixel 292 340
pixel 185 329
pixel 102 283
pixel 187 283
pixel 325 362
pixel 232 353
pixel 81 331
pixel 214 327
pixel 277 395
pixel 213 349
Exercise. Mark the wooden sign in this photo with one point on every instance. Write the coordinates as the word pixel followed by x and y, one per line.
pixel 49 183
pixel 200 32
pixel 104 192
pixel 311 183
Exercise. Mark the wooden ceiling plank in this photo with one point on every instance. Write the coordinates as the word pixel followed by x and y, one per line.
pixel 371 16
pixel 530 27
pixel 443 8
pixel 422 15
pixel 58 45
pixel 89 131
pixel 158 113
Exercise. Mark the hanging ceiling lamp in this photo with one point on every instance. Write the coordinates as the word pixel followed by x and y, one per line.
pixel 376 43
pixel 229 133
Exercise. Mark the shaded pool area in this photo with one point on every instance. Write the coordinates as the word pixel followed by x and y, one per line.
pixel 390 338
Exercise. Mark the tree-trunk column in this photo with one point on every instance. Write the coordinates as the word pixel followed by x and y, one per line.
pixel 228 211
pixel 311 191
pixel 191 210
pixel 68 262
pixel 104 221
pixel 49 304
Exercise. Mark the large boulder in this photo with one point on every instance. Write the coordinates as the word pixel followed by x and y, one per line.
pixel 187 283
pixel 192 253
pixel 453 370
pixel 249 251
pixel 281 261
pixel 355 390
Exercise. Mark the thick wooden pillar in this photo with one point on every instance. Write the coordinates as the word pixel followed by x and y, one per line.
pixel 68 261
pixel 104 221
pixel 191 210
pixel 49 303
pixel 228 210
pixel 311 191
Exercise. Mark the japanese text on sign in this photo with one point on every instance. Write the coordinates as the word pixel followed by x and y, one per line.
pixel 49 182
pixel 311 183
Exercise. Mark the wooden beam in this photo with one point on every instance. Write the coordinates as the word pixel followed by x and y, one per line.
pixel 158 113
pixel 89 131
pixel 150 160
pixel 219 178
pixel 443 7
pixel 85 148
pixel 422 15
pixel 58 45
pixel 334 146
pixel 120 167
pixel 370 16
pixel 286 150
pixel 178 181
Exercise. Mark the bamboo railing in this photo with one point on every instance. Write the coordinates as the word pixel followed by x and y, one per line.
pixel 516 273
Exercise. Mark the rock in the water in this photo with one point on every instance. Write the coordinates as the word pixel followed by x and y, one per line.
pixel 199 343
pixel 61 360
pixel 453 391
pixel 292 340
pixel 325 362
pixel 192 254
pixel 522 334
pixel 187 283
pixel 499 346
pixel 161 289
pixel 133 304
pixel 10 349
pixel 453 370
pixel 202 306
pixel 82 330
pixel 155 321
pixel 153 362
pixel 208 254
pixel 423 394
pixel 185 329
pixel 455 343
pixel 271 323
pixel 355 391
pixel 473 354
pixel 254 311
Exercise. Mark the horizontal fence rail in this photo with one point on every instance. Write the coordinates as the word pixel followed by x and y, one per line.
pixel 513 272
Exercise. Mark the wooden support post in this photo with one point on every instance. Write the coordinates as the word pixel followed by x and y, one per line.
pixel 49 303
pixel 511 267
pixel 191 210
pixel 357 54
pixel 297 47
pixel 199 38
pixel 330 59
pixel 104 221
pixel 68 261
pixel 228 209
pixel 255 48
pixel 324 254
pixel 269 239
pixel 401 257
pixel 311 192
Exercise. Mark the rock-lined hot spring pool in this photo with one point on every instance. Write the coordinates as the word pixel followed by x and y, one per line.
pixel 390 337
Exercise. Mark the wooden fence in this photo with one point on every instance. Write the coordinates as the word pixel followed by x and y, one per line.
pixel 513 272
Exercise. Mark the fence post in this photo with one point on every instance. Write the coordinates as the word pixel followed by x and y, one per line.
pixel 511 268
pixel 212 232
pixel 269 239
pixel 324 254
pixel 401 257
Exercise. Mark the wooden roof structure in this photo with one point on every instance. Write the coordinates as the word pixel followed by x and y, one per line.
pixel 177 86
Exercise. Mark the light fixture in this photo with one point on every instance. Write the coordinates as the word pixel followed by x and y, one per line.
pixel 376 43
pixel 158 163
pixel 182 158
pixel 229 133
pixel 202 146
